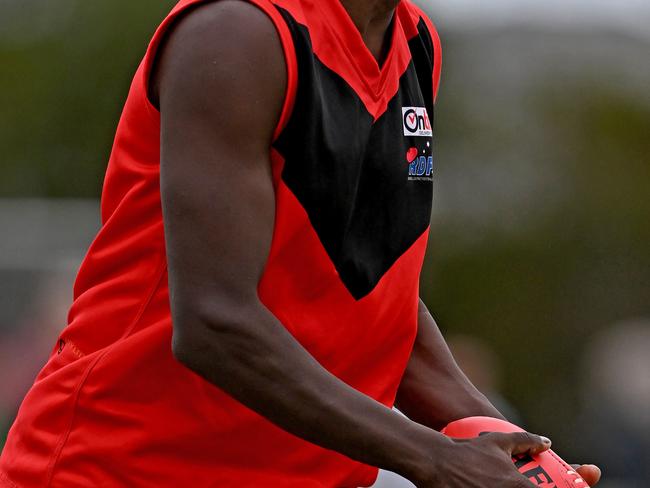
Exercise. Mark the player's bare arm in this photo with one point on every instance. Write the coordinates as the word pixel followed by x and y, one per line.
pixel 219 215
pixel 435 392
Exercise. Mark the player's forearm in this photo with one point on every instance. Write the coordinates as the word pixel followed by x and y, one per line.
pixel 256 360
pixel 439 401
pixel 434 391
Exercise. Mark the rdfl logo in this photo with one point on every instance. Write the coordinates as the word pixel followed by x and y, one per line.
pixel 420 167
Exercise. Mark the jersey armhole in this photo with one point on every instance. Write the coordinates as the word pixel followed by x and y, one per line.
pixel 437 54
pixel 437 60
pixel 281 27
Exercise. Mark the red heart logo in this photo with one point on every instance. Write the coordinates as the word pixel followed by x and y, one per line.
pixel 411 154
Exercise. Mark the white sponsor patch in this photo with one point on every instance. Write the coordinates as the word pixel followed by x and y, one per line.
pixel 416 122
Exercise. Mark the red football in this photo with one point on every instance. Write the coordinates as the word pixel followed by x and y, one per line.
pixel 547 469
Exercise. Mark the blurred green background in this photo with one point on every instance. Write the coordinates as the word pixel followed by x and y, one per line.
pixel 539 263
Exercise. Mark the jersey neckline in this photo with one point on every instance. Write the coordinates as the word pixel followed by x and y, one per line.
pixel 359 55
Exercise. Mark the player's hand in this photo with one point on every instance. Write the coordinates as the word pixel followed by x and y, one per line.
pixel 483 462
pixel 588 472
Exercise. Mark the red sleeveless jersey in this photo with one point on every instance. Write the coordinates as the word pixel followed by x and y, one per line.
pixel 352 168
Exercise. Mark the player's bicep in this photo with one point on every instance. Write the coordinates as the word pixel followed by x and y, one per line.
pixel 221 87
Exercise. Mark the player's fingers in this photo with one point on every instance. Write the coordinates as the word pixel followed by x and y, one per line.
pixel 522 442
pixel 588 472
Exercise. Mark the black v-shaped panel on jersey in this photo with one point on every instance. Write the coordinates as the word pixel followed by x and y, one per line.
pixel 349 172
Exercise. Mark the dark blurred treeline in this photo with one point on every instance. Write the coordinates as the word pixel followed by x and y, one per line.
pixel 540 240
pixel 66 69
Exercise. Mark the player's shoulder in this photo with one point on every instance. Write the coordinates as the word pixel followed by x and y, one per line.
pixel 214 21
pixel 420 18
pixel 426 29
pixel 219 46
